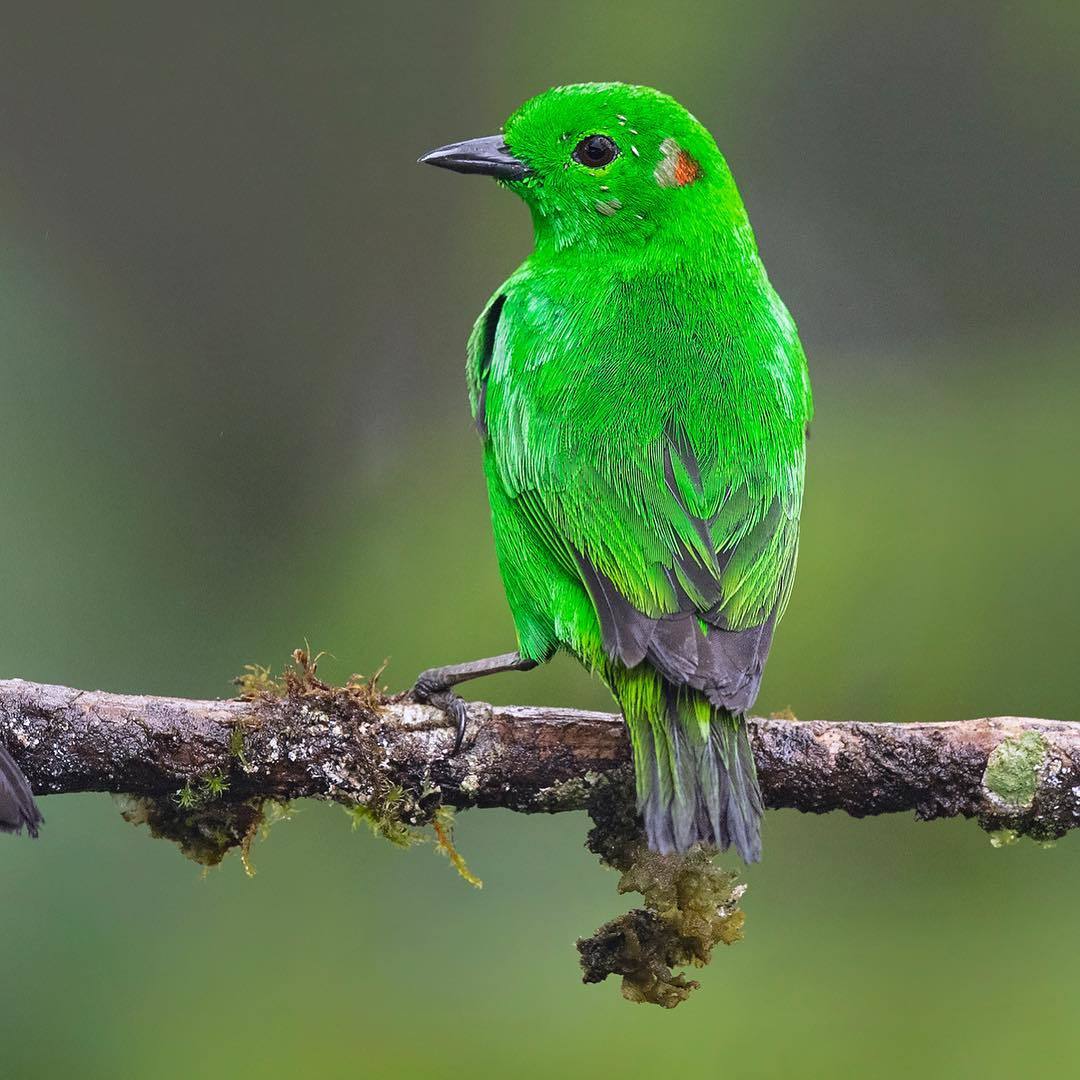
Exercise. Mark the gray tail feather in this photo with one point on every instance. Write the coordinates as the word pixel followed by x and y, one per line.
pixel 710 794
pixel 17 807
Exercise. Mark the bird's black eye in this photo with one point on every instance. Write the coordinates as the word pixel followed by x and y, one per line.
pixel 596 151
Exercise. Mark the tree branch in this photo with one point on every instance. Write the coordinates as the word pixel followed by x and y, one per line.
pixel 351 745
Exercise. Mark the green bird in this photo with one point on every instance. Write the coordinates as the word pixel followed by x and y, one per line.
pixel 643 400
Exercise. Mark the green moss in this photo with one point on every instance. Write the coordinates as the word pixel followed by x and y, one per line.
pixel 390 811
pixel 236 746
pixel 385 820
pixel 300 679
pixel 187 798
pixel 258 681
pixel 270 813
pixel 206 831
pixel 204 789
pixel 443 826
pixel 691 905
pixel 383 816
pixel 207 823
pixel 215 785
pixel 1012 770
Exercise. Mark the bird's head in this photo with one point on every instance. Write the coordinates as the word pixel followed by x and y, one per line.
pixel 607 166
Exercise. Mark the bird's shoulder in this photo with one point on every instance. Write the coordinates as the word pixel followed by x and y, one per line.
pixel 588 353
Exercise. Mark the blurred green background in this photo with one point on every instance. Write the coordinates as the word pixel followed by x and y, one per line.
pixel 232 322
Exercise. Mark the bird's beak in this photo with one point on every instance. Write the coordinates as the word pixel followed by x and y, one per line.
pixel 488 156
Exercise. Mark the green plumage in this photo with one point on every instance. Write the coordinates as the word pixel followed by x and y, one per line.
pixel 643 400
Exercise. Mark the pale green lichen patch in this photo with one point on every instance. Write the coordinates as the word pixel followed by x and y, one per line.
pixel 1012 770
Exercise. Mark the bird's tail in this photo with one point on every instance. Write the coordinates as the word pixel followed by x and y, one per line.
pixel 696 779
pixel 17 807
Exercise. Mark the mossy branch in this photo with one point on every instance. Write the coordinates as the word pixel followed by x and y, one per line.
pixel 354 745
pixel 212 775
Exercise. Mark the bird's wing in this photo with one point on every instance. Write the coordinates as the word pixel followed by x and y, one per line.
pixel 687 552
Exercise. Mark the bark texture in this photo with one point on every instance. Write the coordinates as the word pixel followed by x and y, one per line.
pixel 352 745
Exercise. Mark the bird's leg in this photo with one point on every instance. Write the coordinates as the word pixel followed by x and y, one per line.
pixel 433 687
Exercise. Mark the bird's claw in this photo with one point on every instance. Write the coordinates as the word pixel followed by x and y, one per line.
pixel 430 690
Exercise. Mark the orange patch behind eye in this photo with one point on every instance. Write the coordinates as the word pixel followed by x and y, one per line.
pixel 687 170
pixel 676 167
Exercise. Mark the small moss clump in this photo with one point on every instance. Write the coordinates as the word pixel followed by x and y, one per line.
pixel 383 817
pixel 385 820
pixel 443 826
pixel 236 746
pixel 258 681
pixel 391 812
pixel 203 790
pixel 298 710
pixel 205 833
pixel 691 905
pixel 300 680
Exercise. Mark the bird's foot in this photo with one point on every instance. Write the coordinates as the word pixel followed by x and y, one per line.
pixel 434 686
pixel 431 688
